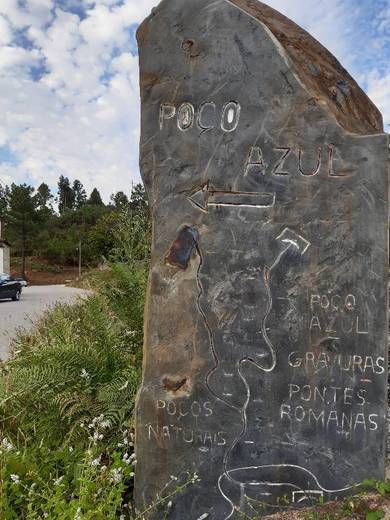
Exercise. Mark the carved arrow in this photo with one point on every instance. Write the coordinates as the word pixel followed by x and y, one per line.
pixel 206 197
pixel 294 240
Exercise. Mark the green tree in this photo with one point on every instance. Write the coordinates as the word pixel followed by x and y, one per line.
pixel 44 198
pixel 22 219
pixel 4 190
pixel 66 195
pixel 138 199
pixel 80 195
pixel 120 200
pixel 95 198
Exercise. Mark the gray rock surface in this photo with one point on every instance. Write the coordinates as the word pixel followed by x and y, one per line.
pixel 265 351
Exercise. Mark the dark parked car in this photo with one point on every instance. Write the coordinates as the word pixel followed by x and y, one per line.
pixel 22 281
pixel 9 288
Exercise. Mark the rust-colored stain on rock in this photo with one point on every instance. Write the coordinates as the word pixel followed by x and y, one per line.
pixel 182 248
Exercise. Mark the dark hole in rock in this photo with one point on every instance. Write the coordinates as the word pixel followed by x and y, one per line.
pixel 172 385
pixel 187 45
pixel 181 249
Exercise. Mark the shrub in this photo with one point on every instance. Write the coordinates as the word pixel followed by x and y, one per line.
pixel 67 395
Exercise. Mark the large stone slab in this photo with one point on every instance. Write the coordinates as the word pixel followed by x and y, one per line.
pixel 265 344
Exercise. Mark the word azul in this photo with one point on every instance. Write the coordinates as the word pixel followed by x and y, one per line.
pixel 337 324
pixel 256 164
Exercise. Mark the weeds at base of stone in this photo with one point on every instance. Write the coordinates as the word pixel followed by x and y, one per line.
pixel 166 501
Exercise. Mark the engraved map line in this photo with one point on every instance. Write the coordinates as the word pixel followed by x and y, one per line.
pixel 294 241
pixel 298 242
pixel 229 198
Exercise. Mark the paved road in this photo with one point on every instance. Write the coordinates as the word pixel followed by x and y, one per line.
pixel 34 301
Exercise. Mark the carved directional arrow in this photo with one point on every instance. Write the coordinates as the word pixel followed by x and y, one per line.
pixel 208 197
pixel 293 239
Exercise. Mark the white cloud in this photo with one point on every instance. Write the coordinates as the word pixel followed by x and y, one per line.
pixel 34 12
pixel 324 20
pixel 5 31
pixel 80 117
pixel 379 92
pixel 14 59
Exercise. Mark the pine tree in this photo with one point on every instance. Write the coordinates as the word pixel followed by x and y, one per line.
pixel 22 218
pixel 95 198
pixel 66 196
pixel 138 199
pixel 4 192
pixel 44 198
pixel 80 195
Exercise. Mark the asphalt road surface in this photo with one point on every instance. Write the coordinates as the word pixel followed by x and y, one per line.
pixel 35 300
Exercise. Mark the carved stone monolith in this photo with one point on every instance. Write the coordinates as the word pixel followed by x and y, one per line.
pixel 265 365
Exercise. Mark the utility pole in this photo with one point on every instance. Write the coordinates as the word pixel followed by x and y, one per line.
pixel 80 259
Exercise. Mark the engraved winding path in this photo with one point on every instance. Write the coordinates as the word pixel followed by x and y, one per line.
pixel 34 302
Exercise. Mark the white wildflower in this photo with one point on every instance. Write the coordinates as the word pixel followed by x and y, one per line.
pixel 97 436
pixel 58 481
pixel 103 468
pixel 105 424
pixel 77 516
pixel 15 478
pixel 132 474
pixel 173 477
pixel 84 374
pixel 116 475
pixel 169 505
pixel 195 478
pixel 122 517
pixel 96 462
pixel 126 458
pixel 132 457
pixel 71 449
pixel 7 445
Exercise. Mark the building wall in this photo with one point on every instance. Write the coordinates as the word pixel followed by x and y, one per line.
pixel 5 260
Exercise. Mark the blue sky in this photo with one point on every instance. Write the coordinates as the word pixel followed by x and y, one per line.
pixel 69 96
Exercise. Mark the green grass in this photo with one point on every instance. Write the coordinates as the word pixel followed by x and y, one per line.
pixel 66 406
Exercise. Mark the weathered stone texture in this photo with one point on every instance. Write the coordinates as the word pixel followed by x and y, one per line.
pixel 266 170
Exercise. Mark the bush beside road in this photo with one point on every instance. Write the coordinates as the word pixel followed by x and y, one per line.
pixel 34 302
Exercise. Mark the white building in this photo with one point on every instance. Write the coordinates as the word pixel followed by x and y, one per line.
pixel 5 266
